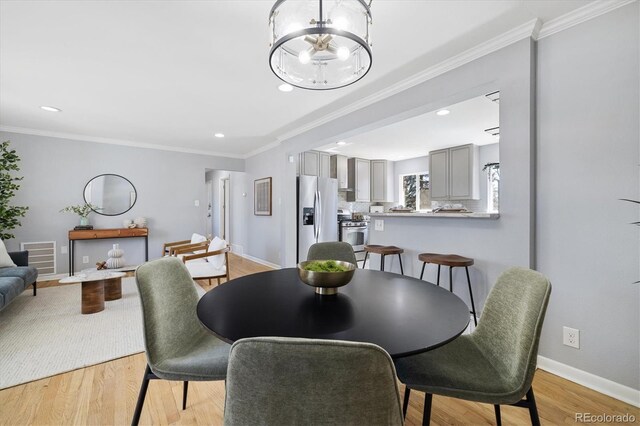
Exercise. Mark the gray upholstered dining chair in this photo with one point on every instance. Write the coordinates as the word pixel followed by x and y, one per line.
pixel 334 250
pixel 177 346
pixel 495 364
pixel 291 381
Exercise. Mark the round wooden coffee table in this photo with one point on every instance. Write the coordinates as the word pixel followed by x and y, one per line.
pixel 97 286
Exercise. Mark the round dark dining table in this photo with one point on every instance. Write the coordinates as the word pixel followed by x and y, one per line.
pixel 401 314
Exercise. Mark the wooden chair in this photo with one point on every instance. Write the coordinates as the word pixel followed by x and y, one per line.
pixel 168 248
pixel 198 265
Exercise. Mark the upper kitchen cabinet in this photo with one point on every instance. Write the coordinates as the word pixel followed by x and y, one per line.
pixel 324 165
pixel 314 163
pixel 339 170
pixel 454 173
pixel 359 179
pixel 381 181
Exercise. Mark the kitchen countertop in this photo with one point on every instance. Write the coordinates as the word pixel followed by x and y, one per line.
pixel 470 215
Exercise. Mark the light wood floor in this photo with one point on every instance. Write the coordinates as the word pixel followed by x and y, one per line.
pixel 105 394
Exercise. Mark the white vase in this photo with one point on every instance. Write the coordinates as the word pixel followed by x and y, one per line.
pixel 115 259
pixel 127 223
pixel 140 222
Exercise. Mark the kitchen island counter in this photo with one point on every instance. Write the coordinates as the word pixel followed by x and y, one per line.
pixel 456 215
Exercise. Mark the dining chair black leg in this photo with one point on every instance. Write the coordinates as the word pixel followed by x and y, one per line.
pixel 141 396
pixel 533 409
pixel 400 259
pixel 382 262
pixel 426 415
pixel 450 280
pixel 366 254
pixel 496 407
pixel 423 265
pixel 473 306
pixel 35 288
pixel 438 282
pixel 405 405
pixel 185 387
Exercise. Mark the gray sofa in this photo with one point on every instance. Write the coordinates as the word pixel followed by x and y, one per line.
pixel 14 280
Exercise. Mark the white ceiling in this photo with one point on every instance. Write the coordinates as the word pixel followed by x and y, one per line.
pixel 173 73
pixel 416 136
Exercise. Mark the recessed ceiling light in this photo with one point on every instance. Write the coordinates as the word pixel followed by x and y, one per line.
pixel 219 135
pixel 341 143
pixel 285 87
pixel 443 112
pixel 51 109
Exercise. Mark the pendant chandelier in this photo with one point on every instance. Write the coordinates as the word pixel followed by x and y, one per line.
pixel 320 44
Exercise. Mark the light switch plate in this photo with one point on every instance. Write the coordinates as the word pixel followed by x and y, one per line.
pixel 196 203
pixel 379 225
pixel 63 249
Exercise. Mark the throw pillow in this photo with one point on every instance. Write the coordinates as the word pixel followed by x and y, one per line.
pixel 5 260
pixel 197 238
pixel 218 260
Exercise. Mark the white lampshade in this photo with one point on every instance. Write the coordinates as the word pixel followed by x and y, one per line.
pixel 320 44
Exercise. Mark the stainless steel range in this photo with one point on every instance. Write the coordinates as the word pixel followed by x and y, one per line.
pixel 354 232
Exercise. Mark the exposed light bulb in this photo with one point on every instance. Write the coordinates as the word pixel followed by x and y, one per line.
pixel 343 53
pixel 219 135
pixel 341 143
pixel 285 87
pixel 304 57
pixel 443 112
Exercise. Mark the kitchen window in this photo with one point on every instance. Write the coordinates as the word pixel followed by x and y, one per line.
pixel 493 186
pixel 414 191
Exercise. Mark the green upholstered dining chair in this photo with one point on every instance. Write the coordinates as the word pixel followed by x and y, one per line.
pixel 333 250
pixel 495 364
pixel 291 381
pixel 177 345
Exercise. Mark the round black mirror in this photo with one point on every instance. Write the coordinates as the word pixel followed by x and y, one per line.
pixel 112 195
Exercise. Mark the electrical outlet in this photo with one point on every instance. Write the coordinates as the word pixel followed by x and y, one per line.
pixel 571 337
pixel 196 203
pixel 379 225
pixel 85 259
pixel 63 249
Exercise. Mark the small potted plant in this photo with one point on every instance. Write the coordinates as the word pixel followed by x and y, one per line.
pixel 82 210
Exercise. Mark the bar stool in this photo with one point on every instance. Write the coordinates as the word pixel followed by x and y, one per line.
pixel 452 261
pixel 382 251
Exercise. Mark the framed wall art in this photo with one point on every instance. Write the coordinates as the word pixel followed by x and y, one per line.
pixel 262 197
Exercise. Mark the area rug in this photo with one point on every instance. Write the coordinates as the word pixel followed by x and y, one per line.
pixel 47 335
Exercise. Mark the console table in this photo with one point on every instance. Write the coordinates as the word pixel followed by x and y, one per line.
pixel 103 234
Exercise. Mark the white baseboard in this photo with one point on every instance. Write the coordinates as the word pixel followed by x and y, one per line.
pixel 260 261
pixel 591 381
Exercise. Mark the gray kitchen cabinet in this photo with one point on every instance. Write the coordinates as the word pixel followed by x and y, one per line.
pixel 382 178
pixel 309 163
pixel 339 170
pixel 324 165
pixel 454 173
pixel 359 174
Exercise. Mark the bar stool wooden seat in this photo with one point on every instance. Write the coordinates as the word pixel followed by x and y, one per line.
pixel 452 261
pixel 382 251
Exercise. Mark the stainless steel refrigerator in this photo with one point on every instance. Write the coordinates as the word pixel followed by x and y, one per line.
pixel 317 212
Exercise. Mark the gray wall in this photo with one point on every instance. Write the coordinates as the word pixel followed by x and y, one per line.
pixel 587 157
pixel 56 170
pixel 588 150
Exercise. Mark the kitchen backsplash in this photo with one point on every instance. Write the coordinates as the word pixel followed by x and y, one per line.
pixel 471 205
pixel 358 207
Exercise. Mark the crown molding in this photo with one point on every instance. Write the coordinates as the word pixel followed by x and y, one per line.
pixel 516 34
pixel 578 16
pixel 109 141
pixel 262 149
